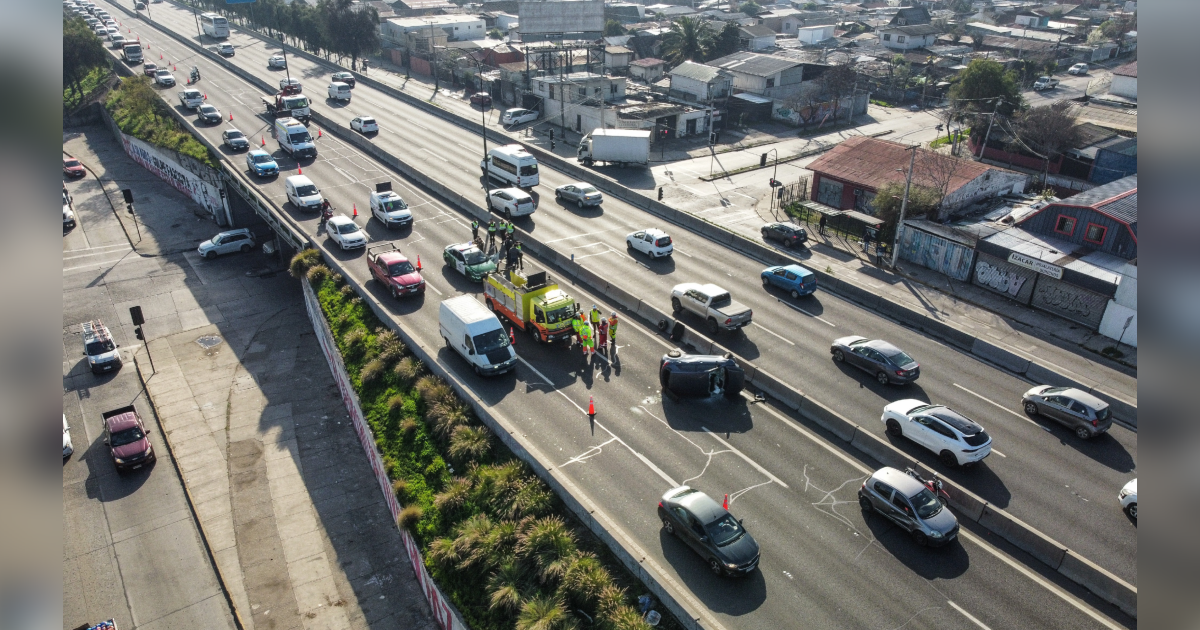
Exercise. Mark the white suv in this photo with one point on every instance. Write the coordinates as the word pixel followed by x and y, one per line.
pixel 343 231
pixel 513 201
pixel 1078 69
pixel 956 439
pixel 517 116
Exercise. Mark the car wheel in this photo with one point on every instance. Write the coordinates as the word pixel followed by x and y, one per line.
pixel 668 527
pixel 715 566
pixel 920 538
pixel 675 305
pixel 795 294
pixel 893 429
pixel 788 244
pixel 211 255
pixel 1131 510
pixel 1082 433
pixel 629 244
pixel 838 356
pixel 882 377
pixel 766 282
pixel 1031 409
pixel 865 504
pixel 557 196
pixel 245 248
pixel 948 459
pixel 490 306
pixel 712 325
pixel 447 340
pixel 478 372
pixel 579 203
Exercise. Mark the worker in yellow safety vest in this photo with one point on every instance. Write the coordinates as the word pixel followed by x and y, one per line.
pixel 612 333
pixel 595 316
pixel 576 323
pixel 586 339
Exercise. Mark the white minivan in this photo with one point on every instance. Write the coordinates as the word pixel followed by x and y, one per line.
pixel 303 193
pixel 339 91
pixel 475 333
pixel 513 164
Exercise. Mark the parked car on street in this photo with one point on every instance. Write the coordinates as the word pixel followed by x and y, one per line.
pixel 582 193
pixel 343 231
pixel 483 99
pixel 954 438
pixel 512 201
pixel 208 114
pixel 364 124
pixel 261 163
pixel 710 530
pixel 787 234
pixel 516 116
pixel 886 362
pixel 235 139
pixel 701 375
pixel 1078 69
pixel 343 77
pixel 73 167
pixel 276 62
pixel 1128 498
pixel 466 259
pixel 653 242
pixel 240 240
pixel 1075 409
pixel 794 279
pixel 909 504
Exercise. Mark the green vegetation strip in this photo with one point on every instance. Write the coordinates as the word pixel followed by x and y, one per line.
pixel 72 97
pixel 502 547
pixel 139 112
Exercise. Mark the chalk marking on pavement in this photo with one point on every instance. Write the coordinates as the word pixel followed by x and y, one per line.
pixel 967 615
pixel 745 457
pixel 588 454
pixel 734 495
pixel 565 238
pixel 708 453
pixel 793 306
pixel 998 405
pixel 785 340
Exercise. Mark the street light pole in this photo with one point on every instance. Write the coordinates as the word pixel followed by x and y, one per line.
pixel 991 120
pixel 903 205
pixel 196 16
pixel 487 178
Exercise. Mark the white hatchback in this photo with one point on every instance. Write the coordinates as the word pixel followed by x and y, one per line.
pixel 345 232
pixel 956 439
pixel 653 242
pixel 364 124
pixel 276 61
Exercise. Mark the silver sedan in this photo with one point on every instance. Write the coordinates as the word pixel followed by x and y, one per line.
pixel 582 194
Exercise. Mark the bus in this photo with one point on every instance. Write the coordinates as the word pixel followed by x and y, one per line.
pixel 214 25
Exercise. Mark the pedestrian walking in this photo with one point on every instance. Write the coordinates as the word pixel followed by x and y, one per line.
pixel 492 234
pixel 821 224
pixel 602 336
pixel 612 334
pixel 508 215
pixel 587 339
pixel 866 239
pixel 475 230
pixel 520 256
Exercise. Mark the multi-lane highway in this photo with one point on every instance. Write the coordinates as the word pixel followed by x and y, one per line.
pixel 852 571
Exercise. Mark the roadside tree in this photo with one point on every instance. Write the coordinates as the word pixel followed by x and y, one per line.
pixel 687 40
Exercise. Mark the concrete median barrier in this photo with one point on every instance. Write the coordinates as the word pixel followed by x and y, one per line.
pixel 785 394
pixel 699 343
pixel 999 356
pixel 882 452
pixel 829 419
pixel 1024 537
pixel 1103 584
pixel 853 293
pixel 961 339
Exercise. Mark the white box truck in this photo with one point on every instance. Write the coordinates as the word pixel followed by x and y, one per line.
pixel 475 333
pixel 615 146
pixel 294 138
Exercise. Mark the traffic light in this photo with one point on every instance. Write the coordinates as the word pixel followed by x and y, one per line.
pixel 135 314
pixel 551 135
pixel 660 193
pixel 762 162
pixel 127 194
pixel 138 332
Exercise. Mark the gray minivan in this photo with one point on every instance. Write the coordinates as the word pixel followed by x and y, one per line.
pixel 909 504
pixel 1075 409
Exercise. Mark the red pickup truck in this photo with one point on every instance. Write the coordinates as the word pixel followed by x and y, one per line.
pixel 127 439
pixel 394 270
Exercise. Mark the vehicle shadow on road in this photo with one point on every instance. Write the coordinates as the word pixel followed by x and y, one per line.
pixel 931 563
pixel 1104 448
pixel 715 413
pixel 724 595
pixel 661 266
pixel 889 393
pixel 104 483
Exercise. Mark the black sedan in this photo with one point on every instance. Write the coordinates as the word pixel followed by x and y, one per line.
pixel 209 114
pixel 343 77
pixel 700 376
pixel 886 362
pixel 710 530
pixel 786 233
pixel 235 139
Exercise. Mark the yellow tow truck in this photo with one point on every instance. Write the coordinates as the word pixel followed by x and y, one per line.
pixel 532 303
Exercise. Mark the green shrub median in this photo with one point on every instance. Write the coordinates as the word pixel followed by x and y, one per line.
pixel 501 546
pixel 139 112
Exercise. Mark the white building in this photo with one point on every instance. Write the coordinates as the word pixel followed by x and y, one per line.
pixel 1122 308
pixel 814 34
pixel 908 37
pixel 456 27
pixel 1124 81
pixel 698 83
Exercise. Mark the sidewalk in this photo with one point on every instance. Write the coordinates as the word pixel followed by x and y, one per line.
pixel 282 489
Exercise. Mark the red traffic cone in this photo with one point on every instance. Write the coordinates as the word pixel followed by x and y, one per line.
pixel 206 96
pixel 591 407
pixel 299 171
pixel 160 56
pixel 318 132
pixel 511 337
pixel 173 68
pixel 230 116
pixel 418 262
pixel 264 140
pixel 355 211
pixel 726 503
pixel 139 38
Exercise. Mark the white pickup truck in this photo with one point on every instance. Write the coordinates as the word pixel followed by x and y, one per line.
pixel 713 304
pixel 1045 83
pixel 191 99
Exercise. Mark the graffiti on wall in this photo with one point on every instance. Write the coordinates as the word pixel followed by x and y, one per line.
pixel 186 182
pixel 936 253
pixel 998 279
pixel 1069 301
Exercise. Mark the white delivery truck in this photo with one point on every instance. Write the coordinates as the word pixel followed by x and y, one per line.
pixel 475 333
pixel 294 138
pixel 615 146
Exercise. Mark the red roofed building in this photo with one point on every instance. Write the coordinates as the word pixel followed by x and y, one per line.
pixel 849 175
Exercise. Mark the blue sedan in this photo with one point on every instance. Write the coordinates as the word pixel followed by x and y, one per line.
pixel 794 279
pixel 261 163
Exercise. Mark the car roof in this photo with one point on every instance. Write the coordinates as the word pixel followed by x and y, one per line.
pixel 702 506
pixel 515 192
pixel 898 480
pixel 655 232
pixel 340 220
pixel 462 247
pixel 1081 396
pixel 956 420
pixel 391 257
pixel 258 152
pixel 886 348
pixel 121 422
pixel 237 231
pixel 798 270
pixel 298 180
pixel 712 289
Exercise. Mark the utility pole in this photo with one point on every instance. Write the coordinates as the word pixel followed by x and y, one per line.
pixel 912 161
pixel 991 120
pixel 433 53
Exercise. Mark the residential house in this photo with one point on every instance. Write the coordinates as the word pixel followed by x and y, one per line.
pixel 617 57
pixel 577 100
pixel 1124 81
pixel 698 83
pixel 497 55
pixel 849 175
pixel 1103 218
pixel 910 16
pixel 671 11
pixel 1119 322
pixel 908 37
pixel 814 34
pixel 1101 156
pixel 1033 19
pixel 771 76
pixel 648 69
pixel 755 38
pixel 456 27
pixel 414 8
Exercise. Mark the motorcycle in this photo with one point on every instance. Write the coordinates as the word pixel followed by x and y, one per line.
pixel 934 485
pixel 195 76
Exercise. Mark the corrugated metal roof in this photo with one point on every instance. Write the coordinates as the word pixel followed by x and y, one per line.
pixel 754 64
pixel 1127 70
pixel 914 30
pixel 647 62
pixel 757 31
pixel 1109 200
pixel 695 71
pixel 872 163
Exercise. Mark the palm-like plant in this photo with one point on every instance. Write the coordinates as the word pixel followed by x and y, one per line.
pixel 505 585
pixel 443 552
pixel 447 415
pixel 584 580
pixel 545 613
pixel 456 493
pixel 469 443
pixel 688 39
pixel 549 544
pixel 532 499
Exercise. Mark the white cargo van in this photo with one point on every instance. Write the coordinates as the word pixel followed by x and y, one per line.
pixel 302 192
pixel 513 164
pixel 476 334
pixel 339 91
pixel 294 138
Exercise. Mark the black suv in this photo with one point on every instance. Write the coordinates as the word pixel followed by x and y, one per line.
pixel 343 77
pixel 786 233
pixel 701 375
pixel 710 530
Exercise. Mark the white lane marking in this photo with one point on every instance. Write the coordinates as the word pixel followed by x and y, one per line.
pixel 435 155
pixel 353 179
pixel 127 248
pixel 95 264
pixel 784 339
pixel 692 190
pixel 967 615
pixel 91 249
pixel 745 457
pixel 998 405
pixel 676 249
pixel 1000 454
pixel 963 534
pixel 464 146
pixel 432 287
pixel 416 124
pixel 567 238
pixel 793 306
pixel 734 192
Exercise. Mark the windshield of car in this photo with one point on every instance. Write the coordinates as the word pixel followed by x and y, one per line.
pixel 489 341
pixel 402 268
pixel 978 439
pixel 1102 414
pixel 299 137
pixel 295 102
pixel 898 357
pixel 99 347
pixel 559 315
pixel 721 299
pixel 529 169
pixel 926 505
pixel 72 163
pixel 234 134
pixel 724 530
pixel 393 204
pixel 128 436
pixel 261 159
pixel 307 190
pixel 1054 390
pixel 207 109
pixel 347 228
pixel 474 257
pixel 162 73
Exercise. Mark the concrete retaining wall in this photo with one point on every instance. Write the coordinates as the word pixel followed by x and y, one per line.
pixel 1023 536
pixel 1107 586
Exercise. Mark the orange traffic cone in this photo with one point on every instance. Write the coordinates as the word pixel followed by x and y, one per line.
pixel 318 132
pixel 264 140
pixel 160 56
pixel 173 68
pixel 299 171
pixel 355 211
pixel 511 337
pixel 726 503
pixel 206 96
pixel 139 38
pixel 230 116
pixel 591 407
pixel 418 262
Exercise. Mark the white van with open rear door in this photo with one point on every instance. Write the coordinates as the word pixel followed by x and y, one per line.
pixel 513 164
pixel 475 333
